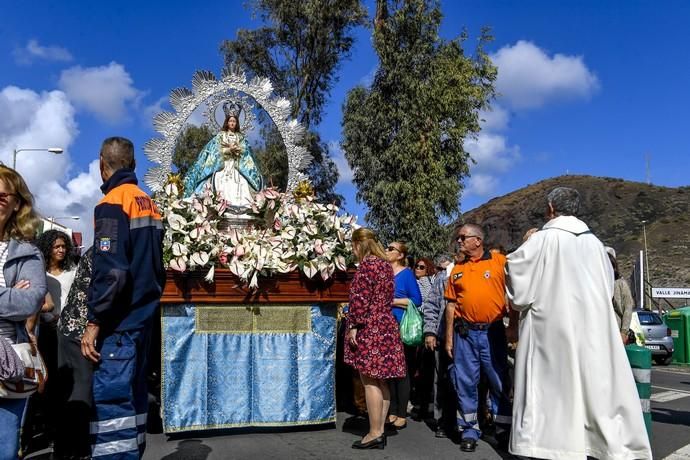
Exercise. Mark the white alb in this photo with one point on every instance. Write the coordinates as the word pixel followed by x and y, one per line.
pixel 575 395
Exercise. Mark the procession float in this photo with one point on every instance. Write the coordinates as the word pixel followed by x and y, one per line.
pixel 255 274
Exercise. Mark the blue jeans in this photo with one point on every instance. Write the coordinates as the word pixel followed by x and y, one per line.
pixel 481 351
pixel 11 411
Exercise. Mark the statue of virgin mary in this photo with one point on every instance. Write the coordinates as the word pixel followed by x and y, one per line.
pixel 226 163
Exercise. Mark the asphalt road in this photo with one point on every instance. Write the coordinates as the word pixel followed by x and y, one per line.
pixel 670 435
pixel 329 442
pixel 670 414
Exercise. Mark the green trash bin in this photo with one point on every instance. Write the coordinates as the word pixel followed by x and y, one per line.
pixel 678 321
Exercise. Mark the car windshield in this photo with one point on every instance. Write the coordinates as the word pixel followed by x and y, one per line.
pixel 648 318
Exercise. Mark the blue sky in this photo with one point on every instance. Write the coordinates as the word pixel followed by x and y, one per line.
pixel 587 87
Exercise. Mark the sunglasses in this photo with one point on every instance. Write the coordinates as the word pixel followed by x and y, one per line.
pixel 392 248
pixel 420 267
pixel 464 237
pixel 4 196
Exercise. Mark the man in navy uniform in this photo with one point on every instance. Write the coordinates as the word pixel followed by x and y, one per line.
pixel 126 286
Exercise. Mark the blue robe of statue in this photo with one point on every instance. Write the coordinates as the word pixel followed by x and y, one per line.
pixel 211 160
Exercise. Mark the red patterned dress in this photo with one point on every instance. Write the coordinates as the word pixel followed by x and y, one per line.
pixel 379 351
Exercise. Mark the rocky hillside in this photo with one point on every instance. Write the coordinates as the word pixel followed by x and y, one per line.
pixel 615 210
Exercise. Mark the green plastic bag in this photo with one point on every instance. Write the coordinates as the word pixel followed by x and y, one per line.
pixel 412 326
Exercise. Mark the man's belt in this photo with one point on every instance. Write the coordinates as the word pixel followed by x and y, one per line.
pixel 475 326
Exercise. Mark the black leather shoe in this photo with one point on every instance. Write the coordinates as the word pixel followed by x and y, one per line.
pixel 377 443
pixel 502 439
pixel 468 445
pixel 441 433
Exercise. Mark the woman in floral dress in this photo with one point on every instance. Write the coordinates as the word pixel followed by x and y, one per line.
pixel 74 371
pixel 373 345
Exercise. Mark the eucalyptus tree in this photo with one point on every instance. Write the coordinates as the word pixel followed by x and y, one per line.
pixel 404 134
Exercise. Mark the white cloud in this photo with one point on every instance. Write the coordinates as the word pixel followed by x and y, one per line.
pixel 491 152
pixel 154 109
pixel 34 50
pixel 41 120
pixel 528 77
pixel 32 120
pixel 338 157
pixel 77 197
pixel 482 185
pixel 495 119
pixel 106 91
pixel 493 157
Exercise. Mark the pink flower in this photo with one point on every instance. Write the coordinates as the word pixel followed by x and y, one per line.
pixel 271 193
pixel 277 224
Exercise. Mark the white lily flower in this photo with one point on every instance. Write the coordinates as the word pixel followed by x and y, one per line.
pixel 171 190
pixel 178 264
pixel 178 204
pixel 211 274
pixel 176 221
pixel 309 269
pixel 254 283
pixel 179 249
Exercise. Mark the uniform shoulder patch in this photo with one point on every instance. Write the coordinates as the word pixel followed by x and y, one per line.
pixel 106 235
pixel 104 244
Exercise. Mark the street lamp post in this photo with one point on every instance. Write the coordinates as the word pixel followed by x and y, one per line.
pixel 647 292
pixel 55 150
pixel 52 219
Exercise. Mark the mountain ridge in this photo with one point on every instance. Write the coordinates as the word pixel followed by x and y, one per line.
pixel 619 212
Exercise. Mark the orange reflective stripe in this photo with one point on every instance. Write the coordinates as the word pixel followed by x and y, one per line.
pixel 134 202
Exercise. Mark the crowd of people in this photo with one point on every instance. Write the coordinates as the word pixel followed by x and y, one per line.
pixel 570 393
pixel 90 318
pixel 565 397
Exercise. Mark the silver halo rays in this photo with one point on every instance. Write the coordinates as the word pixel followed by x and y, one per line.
pixel 206 88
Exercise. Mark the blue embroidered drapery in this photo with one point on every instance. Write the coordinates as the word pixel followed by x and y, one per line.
pixel 232 366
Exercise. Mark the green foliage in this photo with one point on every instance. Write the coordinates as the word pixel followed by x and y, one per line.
pixel 323 172
pixel 188 146
pixel 299 49
pixel 273 164
pixel 404 135
pixel 272 157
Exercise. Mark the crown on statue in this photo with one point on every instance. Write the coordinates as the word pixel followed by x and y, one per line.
pixel 232 109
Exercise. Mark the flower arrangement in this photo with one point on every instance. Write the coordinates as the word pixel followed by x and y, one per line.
pixel 297 233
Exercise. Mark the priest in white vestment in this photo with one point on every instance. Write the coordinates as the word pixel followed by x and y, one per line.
pixel 574 393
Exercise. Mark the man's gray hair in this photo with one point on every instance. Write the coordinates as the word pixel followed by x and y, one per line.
pixel 478 230
pixel 564 200
pixel 117 153
pixel 441 258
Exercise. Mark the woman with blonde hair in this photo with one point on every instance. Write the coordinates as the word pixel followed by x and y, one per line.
pixel 373 345
pixel 22 287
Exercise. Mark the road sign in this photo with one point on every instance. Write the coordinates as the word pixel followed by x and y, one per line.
pixel 675 293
